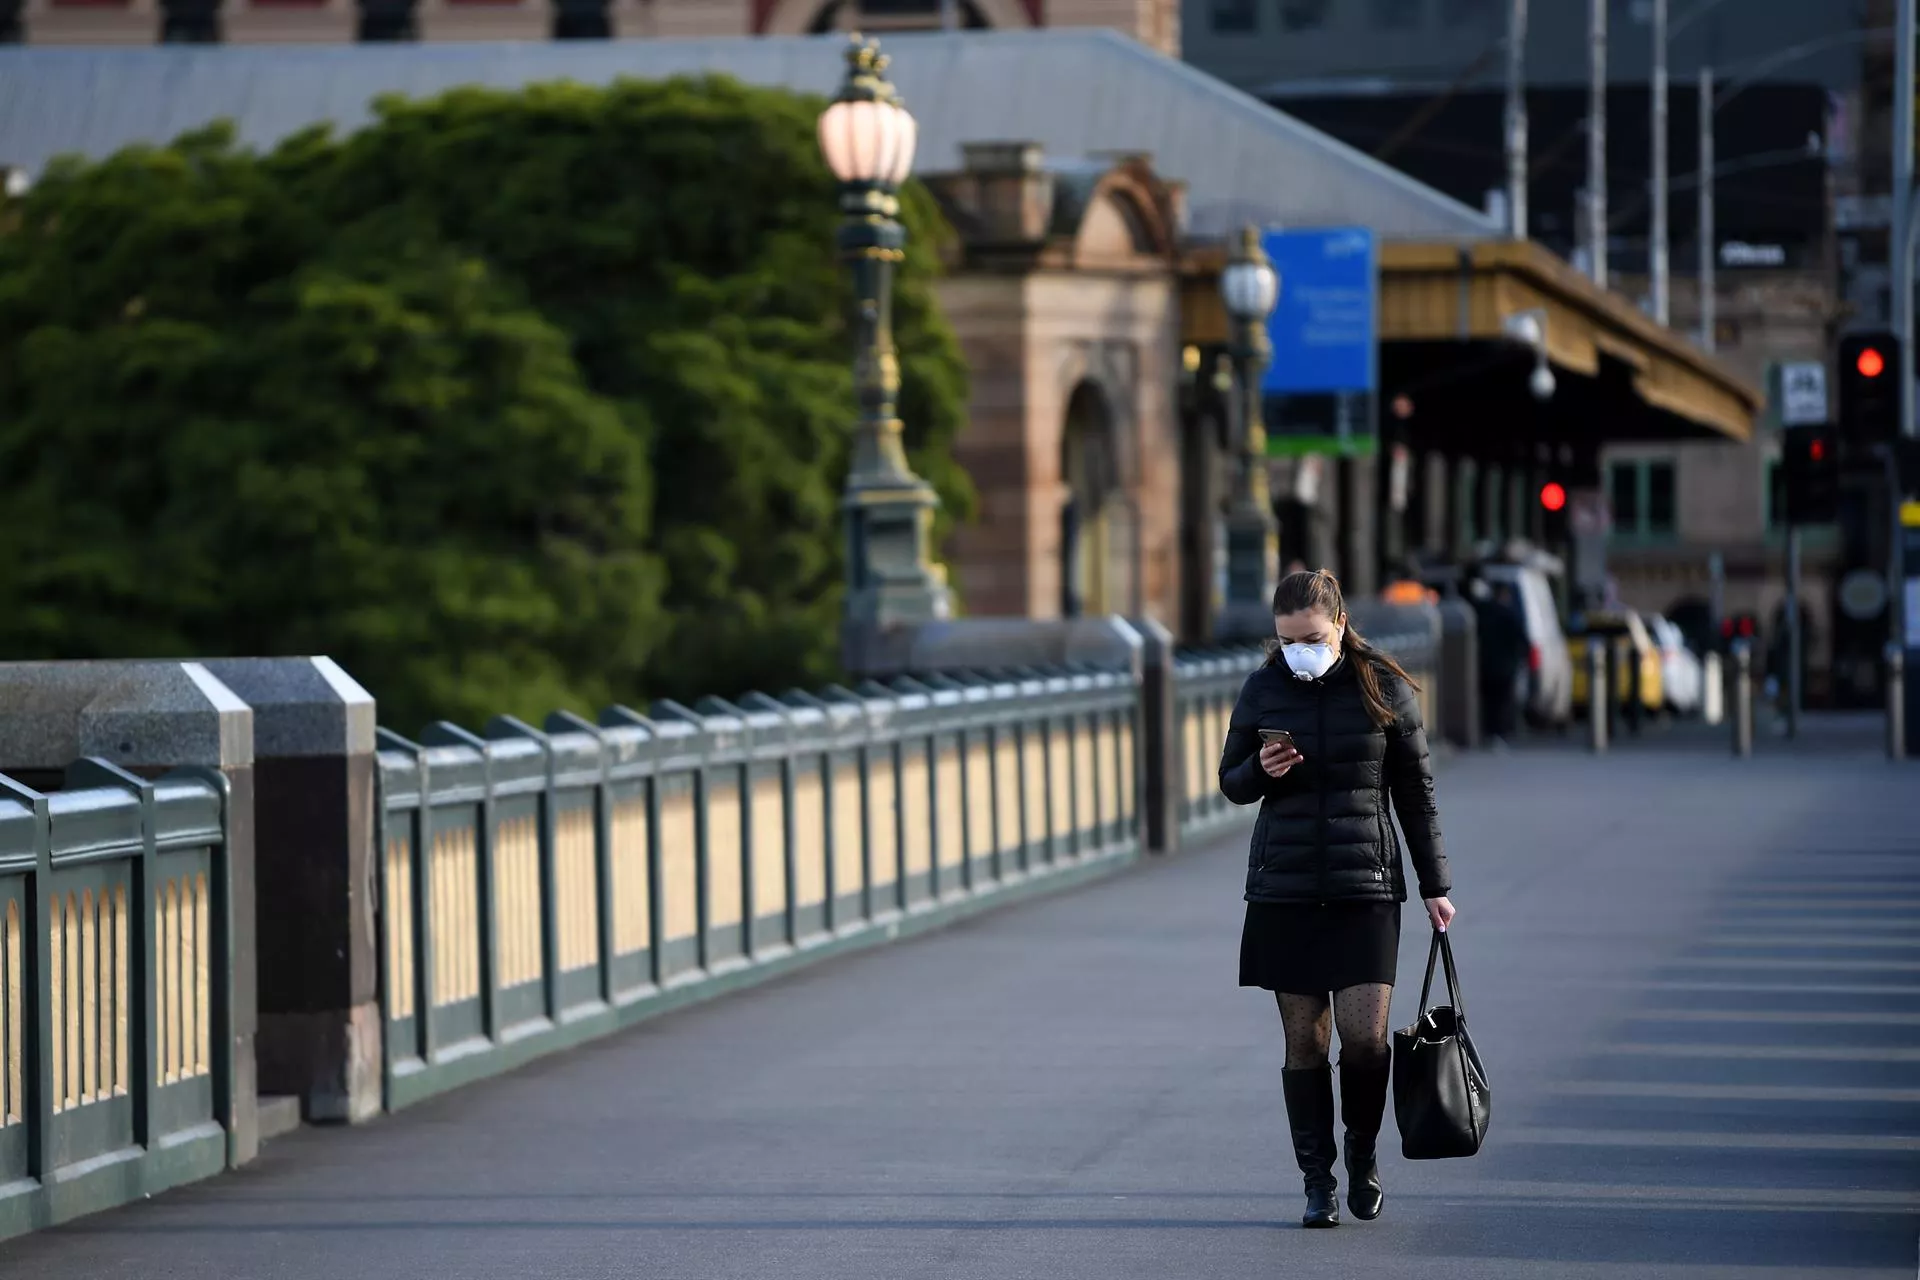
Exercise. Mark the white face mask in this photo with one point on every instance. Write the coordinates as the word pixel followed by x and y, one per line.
pixel 1309 661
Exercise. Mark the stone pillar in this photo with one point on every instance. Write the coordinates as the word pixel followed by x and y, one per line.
pixel 320 1026
pixel 147 718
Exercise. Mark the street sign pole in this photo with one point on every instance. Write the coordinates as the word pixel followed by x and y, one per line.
pixel 1801 395
pixel 1794 638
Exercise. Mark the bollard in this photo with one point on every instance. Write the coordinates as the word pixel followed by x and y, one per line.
pixel 1713 692
pixel 1636 708
pixel 1896 703
pixel 1597 696
pixel 1740 695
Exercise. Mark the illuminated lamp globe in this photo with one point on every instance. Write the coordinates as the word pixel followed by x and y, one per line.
pixel 1250 286
pixel 868 140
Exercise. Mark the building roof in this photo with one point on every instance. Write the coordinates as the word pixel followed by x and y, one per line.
pixel 1075 92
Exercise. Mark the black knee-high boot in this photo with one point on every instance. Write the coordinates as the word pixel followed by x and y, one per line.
pixel 1363 1099
pixel 1309 1092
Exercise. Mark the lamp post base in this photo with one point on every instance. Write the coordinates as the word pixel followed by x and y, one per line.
pixel 1251 555
pixel 892 579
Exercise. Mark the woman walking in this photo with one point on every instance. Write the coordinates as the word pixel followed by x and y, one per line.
pixel 1342 737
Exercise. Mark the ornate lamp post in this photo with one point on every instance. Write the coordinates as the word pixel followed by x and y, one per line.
pixel 867 138
pixel 1250 287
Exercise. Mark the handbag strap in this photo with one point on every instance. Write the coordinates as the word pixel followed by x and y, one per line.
pixel 1442 951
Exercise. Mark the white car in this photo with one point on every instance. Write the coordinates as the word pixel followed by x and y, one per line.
pixel 1683 678
pixel 1549 670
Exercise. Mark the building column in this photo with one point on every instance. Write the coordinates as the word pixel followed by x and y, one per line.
pixel 1358 534
pixel 1493 502
pixel 1461 511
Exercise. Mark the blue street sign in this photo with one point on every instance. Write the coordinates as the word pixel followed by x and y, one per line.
pixel 1323 328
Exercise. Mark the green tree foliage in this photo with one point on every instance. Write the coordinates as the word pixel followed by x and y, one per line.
pixel 508 401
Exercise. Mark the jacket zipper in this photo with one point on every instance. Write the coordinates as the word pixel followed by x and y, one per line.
pixel 1320 828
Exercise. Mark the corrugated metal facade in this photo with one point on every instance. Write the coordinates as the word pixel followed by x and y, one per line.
pixel 1077 93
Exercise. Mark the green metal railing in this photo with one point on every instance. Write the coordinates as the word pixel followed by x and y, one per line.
pixel 115 980
pixel 1206 684
pixel 540 887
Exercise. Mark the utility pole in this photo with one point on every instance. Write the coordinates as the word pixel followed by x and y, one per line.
pixel 1597 141
pixel 1517 120
pixel 1900 242
pixel 1900 562
pixel 1708 296
pixel 1657 246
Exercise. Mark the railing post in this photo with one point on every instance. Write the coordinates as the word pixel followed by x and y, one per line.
pixel 1896 702
pixel 443 733
pixel 1740 693
pixel 1599 695
pixel 36 918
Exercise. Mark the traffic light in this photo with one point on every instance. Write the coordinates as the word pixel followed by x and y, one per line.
pixel 1869 409
pixel 1810 457
pixel 1554 527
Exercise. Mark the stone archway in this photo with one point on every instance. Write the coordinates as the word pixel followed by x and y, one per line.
pixel 1097 532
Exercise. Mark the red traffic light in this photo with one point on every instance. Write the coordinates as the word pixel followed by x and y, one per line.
pixel 1817 449
pixel 1871 363
pixel 1552 496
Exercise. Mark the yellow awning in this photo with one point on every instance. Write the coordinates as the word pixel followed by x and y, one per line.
pixel 1452 292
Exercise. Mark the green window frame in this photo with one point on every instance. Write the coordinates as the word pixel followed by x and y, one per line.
pixel 1643 495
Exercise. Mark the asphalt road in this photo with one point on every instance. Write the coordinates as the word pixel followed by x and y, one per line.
pixel 1695 981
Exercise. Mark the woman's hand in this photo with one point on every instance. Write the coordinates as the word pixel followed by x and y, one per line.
pixel 1440 911
pixel 1277 757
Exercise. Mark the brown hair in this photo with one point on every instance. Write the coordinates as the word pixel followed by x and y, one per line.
pixel 1318 589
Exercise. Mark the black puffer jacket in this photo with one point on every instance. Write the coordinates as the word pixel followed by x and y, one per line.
pixel 1323 833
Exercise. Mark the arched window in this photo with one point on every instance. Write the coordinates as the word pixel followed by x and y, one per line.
pixel 892 15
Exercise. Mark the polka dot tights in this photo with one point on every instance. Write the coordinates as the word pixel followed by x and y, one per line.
pixel 1360 1012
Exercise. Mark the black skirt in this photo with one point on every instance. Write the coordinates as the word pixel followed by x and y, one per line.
pixel 1307 949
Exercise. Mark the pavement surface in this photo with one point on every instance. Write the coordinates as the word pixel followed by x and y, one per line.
pixel 1695 982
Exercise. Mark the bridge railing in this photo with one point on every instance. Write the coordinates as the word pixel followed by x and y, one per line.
pixel 539 887
pixel 116 982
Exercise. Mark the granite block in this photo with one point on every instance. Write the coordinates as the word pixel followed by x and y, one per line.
pixel 303 706
pixel 140 715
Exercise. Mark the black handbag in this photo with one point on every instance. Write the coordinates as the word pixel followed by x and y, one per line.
pixel 1440 1095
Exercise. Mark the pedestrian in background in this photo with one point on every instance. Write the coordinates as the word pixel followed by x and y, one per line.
pixel 1324 875
pixel 1503 645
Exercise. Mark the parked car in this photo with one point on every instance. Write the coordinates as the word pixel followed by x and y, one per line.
pixel 1682 676
pixel 1625 632
pixel 1550 671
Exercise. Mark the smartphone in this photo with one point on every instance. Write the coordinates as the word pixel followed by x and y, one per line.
pixel 1270 736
